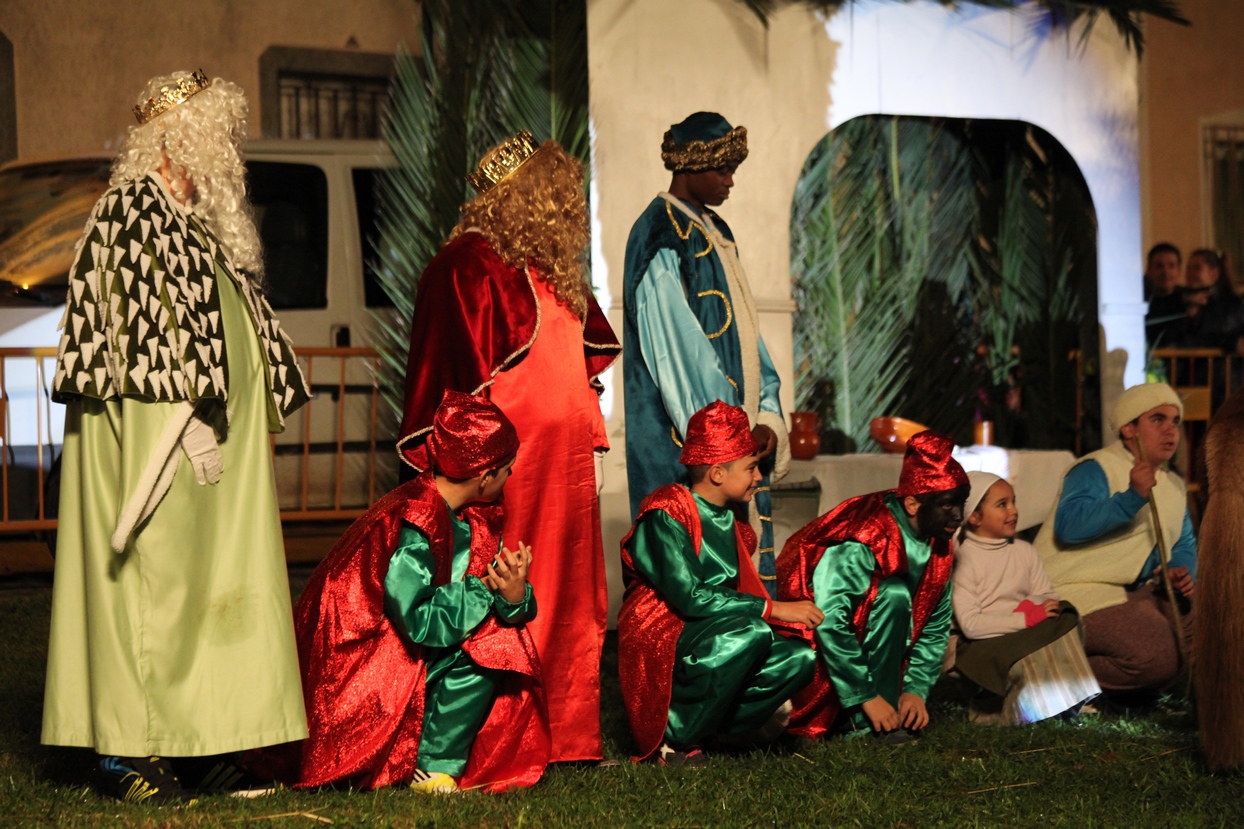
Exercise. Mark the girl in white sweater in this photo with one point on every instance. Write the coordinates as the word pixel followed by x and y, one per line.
pixel 1019 642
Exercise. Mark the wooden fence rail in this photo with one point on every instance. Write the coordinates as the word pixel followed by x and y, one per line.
pixel 332 462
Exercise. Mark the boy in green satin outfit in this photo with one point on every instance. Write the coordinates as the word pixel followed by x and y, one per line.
pixel 878 566
pixel 697 655
pixel 417 665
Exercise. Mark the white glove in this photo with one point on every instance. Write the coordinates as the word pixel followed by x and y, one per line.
pixel 598 462
pixel 198 441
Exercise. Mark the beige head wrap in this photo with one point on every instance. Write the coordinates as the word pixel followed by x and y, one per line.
pixel 1139 399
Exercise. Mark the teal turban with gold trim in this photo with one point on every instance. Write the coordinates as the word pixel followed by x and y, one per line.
pixel 703 141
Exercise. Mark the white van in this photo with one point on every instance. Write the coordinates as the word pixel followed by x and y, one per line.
pixel 315 210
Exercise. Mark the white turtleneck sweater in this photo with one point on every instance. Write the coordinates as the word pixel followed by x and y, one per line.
pixel 992 577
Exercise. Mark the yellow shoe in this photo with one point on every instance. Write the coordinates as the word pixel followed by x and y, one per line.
pixel 433 782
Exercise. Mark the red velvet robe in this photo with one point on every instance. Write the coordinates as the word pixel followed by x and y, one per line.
pixel 867 520
pixel 483 327
pixel 475 317
pixel 648 628
pixel 363 682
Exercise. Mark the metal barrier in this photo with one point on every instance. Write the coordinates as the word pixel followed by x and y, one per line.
pixel 331 463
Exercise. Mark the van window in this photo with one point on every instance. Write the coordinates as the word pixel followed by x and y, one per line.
pixel 365 180
pixel 43 208
pixel 291 212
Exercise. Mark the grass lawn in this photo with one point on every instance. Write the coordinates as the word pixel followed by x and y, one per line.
pixel 1115 772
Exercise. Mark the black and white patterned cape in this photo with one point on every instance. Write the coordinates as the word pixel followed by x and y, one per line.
pixel 143 313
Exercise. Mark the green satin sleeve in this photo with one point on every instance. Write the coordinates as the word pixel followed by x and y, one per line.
pixel 662 552
pixel 515 613
pixel 839 583
pixel 438 617
pixel 925 665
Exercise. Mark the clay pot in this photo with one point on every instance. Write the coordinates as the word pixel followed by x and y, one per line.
pixel 892 433
pixel 805 435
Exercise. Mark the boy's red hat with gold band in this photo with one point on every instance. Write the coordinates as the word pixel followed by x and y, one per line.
pixel 718 433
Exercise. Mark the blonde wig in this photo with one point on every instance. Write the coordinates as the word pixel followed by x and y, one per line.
pixel 538 214
pixel 201 138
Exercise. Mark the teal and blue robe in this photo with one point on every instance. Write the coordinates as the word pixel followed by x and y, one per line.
pixel 691 337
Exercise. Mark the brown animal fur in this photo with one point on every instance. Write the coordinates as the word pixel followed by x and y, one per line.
pixel 1218 628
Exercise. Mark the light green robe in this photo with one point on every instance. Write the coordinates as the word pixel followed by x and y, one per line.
pixel 183 644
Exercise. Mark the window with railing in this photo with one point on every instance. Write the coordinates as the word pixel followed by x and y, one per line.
pixel 331 106
pixel 1224 160
pixel 323 93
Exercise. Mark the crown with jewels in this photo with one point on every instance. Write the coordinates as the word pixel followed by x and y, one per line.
pixel 504 159
pixel 171 95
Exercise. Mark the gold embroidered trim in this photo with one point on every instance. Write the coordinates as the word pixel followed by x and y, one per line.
pixel 695 156
pixel 687 234
pixel 766 550
pixel 765 518
pixel 674 437
pixel 767 578
pixel 729 317
pixel 762 489
pixel 730 380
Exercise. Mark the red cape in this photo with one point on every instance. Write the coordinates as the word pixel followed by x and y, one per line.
pixel 648 628
pixel 868 520
pixel 476 316
pixel 363 683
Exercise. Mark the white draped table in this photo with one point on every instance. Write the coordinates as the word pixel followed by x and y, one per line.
pixel 1035 474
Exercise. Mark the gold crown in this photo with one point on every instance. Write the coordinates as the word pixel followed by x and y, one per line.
pixel 171 95
pixel 504 159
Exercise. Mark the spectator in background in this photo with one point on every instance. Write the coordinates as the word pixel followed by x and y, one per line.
pixel 1213 314
pixel 1162 271
pixel 1166 304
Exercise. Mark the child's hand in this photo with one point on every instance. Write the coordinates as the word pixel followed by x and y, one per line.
pixel 911 711
pixel 882 714
pixel 1051 608
pixel 803 612
pixel 507 574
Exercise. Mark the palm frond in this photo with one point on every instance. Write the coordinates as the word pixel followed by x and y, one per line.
pixel 487 70
pixel 871 216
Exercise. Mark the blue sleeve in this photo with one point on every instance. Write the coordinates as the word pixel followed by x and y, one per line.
pixel 1087 509
pixel 1183 554
pixel 770 383
pixel 674 347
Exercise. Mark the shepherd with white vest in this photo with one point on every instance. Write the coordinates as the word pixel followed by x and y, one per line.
pixel 1100 549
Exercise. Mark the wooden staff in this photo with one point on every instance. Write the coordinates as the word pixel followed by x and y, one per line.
pixel 1164 556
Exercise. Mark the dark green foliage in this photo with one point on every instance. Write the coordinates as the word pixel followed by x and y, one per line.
pixel 1057 14
pixel 883 205
pixel 944 270
pixel 488 69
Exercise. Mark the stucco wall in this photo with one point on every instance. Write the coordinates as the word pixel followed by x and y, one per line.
pixel 80 63
pixel 1189 75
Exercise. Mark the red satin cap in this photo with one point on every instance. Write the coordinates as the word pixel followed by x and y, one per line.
pixel 928 466
pixel 718 433
pixel 470 435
